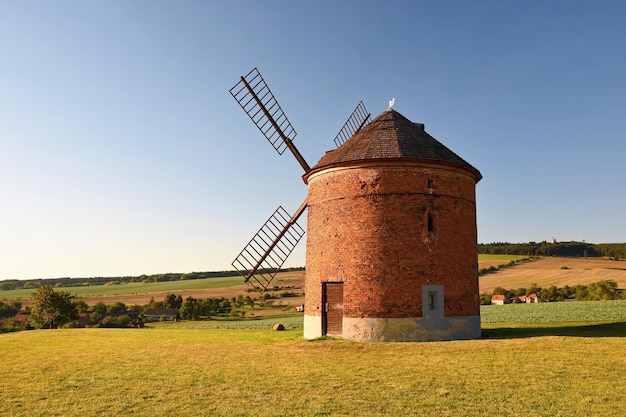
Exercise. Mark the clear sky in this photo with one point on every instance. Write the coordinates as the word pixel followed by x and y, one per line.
pixel 123 153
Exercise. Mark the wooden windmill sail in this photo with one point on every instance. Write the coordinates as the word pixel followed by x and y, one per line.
pixel 267 251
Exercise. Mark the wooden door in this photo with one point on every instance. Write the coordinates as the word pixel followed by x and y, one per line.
pixel 332 317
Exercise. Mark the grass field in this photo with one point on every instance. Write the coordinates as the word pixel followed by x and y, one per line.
pixel 551 359
pixel 545 369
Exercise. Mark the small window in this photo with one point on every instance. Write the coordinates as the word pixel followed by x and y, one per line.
pixel 430 184
pixel 432 304
pixel 431 227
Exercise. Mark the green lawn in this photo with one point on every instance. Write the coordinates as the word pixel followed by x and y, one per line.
pixel 519 368
pixel 184 372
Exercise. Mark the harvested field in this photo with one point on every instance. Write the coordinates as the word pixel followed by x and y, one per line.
pixel 556 271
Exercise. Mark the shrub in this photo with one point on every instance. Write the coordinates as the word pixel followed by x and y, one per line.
pixel 119 321
pixel 12 326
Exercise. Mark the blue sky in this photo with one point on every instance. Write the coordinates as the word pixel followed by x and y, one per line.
pixel 123 153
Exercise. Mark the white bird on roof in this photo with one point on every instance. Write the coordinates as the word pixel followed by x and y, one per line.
pixel 391 103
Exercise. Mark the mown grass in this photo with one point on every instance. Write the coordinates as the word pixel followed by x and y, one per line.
pixel 564 368
pixel 183 372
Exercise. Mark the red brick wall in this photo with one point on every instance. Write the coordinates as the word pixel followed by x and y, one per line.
pixel 368 227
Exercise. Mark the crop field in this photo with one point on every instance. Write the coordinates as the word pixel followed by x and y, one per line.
pixel 570 311
pixel 556 271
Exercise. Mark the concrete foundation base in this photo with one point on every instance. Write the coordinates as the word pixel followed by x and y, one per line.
pixel 400 329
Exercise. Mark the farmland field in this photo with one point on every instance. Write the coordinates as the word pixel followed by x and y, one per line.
pixel 556 271
pixel 141 293
pixel 543 272
pixel 572 311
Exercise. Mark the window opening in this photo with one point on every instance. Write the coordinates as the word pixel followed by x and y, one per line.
pixel 431 300
pixel 431 227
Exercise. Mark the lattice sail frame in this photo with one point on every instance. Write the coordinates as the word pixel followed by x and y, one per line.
pixel 265 254
pixel 359 118
pixel 257 100
pixel 269 248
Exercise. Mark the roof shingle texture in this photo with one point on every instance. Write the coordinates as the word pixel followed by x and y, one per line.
pixel 391 135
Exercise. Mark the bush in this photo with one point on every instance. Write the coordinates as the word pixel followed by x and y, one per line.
pixel 119 321
pixel 485 299
pixel 12 326
pixel 287 294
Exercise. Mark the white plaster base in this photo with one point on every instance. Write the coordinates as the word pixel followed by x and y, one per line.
pixel 410 329
pixel 312 327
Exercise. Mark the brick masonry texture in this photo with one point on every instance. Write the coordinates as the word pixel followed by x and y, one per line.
pixel 368 227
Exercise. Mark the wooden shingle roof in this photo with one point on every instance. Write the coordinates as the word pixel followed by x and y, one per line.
pixel 393 136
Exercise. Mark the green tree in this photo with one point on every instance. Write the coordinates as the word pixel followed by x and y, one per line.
pixel 190 310
pixel 51 309
pixel 81 307
pixel 98 312
pixel 499 291
pixel 10 310
pixel 603 290
pixel 116 309
pixel 551 294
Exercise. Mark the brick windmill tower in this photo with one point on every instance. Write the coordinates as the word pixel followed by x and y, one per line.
pixel 392 242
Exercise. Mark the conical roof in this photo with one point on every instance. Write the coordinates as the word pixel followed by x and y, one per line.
pixel 392 136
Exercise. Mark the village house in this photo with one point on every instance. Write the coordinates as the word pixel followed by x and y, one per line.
pixel 532 298
pixel 161 314
pixel 499 299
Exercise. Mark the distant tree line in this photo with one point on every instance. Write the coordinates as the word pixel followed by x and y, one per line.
pixel 15 284
pixel 569 249
pixel 494 268
pixel 596 291
pixel 51 309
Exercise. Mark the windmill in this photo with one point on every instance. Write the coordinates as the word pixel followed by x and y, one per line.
pixel 269 248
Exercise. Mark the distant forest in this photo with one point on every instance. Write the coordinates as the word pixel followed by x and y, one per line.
pixel 569 249
pixel 14 284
